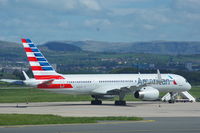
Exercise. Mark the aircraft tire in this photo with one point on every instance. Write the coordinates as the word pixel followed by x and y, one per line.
pixel 96 102
pixel 120 103
pixel 171 101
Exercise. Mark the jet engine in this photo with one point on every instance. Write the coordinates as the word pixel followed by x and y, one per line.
pixel 147 93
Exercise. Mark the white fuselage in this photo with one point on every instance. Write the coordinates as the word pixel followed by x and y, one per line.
pixel 102 83
pixel 45 77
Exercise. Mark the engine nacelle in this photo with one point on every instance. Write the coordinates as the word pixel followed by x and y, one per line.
pixel 147 93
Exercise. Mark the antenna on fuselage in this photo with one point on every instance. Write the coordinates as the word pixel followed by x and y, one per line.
pixel 159 76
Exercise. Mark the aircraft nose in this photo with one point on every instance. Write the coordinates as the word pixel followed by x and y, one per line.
pixel 189 86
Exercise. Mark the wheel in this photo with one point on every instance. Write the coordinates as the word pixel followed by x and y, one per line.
pixel 122 103
pixel 171 101
pixel 96 102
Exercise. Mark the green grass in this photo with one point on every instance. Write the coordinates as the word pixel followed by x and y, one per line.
pixel 30 119
pixel 17 94
pixel 195 91
pixel 14 95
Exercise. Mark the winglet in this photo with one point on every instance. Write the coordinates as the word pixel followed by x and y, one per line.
pixel 25 75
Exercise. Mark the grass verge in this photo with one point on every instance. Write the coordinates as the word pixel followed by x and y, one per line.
pixel 31 119
pixel 17 94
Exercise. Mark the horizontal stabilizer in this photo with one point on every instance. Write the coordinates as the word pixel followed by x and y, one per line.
pixel 45 83
pixel 17 82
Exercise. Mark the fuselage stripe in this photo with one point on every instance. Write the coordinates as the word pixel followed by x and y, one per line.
pixel 54 86
pixel 41 77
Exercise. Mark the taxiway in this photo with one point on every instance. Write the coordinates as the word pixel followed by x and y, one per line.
pixel 140 109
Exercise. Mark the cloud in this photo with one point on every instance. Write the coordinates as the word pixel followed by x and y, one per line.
pixel 63 24
pixel 121 19
pixel 187 5
pixel 64 4
pixel 49 4
pixel 157 15
pixel 97 22
pixel 3 2
pixel 186 11
pixel 148 15
pixel 149 27
pixel 124 11
pixel 60 5
pixel 91 4
pixel 3 38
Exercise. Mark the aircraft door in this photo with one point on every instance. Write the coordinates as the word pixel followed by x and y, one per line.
pixel 62 83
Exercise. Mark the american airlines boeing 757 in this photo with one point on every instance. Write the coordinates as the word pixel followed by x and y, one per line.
pixel 101 86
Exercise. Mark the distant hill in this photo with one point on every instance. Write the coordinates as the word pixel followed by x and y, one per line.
pixel 7 44
pixel 154 47
pixel 60 46
pixel 10 50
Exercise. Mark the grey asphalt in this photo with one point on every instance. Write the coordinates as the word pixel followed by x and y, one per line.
pixel 140 109
pixel 160 125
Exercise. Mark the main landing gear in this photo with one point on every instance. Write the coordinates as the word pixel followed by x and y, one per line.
pixel 99 102
pixel 121 101
pixel 96 102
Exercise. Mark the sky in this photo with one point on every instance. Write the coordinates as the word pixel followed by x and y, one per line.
pixel 100 20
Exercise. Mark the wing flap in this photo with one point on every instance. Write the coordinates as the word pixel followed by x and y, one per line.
pixel 115 90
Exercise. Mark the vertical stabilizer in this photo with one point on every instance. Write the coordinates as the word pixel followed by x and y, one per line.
pixel 41 69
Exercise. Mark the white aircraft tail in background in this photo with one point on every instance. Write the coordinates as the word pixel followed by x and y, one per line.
pixel 27 80
pixel 25 76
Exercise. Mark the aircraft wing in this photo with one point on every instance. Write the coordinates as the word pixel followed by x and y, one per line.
pixel 126 89
pixel 115 90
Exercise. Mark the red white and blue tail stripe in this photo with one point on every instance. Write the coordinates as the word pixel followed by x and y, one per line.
pixel 42 70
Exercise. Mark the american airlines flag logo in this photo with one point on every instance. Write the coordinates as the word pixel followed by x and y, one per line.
pixel 39 65
pixel 174 82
